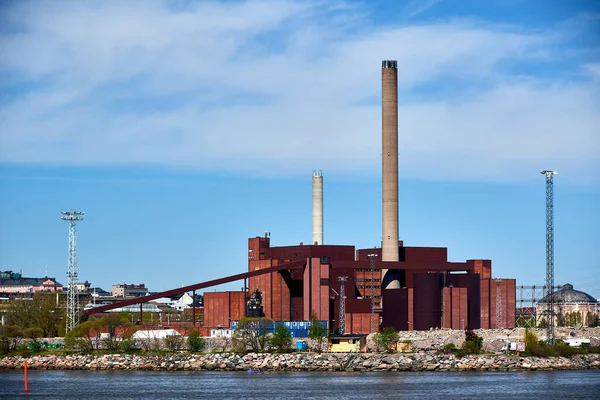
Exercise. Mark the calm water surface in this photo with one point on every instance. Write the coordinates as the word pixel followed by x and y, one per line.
pixel 297 385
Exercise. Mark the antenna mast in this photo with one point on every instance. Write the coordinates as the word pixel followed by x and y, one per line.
pixel 550 250
pixel 72 217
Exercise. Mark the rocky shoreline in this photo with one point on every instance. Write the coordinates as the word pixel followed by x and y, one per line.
pixel 301 362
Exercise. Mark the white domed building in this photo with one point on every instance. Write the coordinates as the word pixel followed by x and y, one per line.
pixel 572 308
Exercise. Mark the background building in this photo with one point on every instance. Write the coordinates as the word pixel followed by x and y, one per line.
pixel 125 290
pixel 13 282
pixel 571 308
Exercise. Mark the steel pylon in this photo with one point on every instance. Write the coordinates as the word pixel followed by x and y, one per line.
pixel 72 217
pixel 550 250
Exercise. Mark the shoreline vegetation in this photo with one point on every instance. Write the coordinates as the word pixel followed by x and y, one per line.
pixel 95 345
pixel 293 362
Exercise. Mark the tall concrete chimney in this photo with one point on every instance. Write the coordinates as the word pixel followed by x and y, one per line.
pixel 317 208
pixel 389 155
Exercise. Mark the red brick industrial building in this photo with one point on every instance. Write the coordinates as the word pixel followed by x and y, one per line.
pixel 434 292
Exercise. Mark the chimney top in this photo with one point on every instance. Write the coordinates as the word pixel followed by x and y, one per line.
pixel 389 64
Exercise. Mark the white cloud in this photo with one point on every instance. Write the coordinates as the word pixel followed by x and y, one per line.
pixel 273 88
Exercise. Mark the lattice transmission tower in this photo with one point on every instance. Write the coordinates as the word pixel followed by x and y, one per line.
pixel 498 304
pixel 342 280
pixel 550 250
pixel 372 264
pixel 72 217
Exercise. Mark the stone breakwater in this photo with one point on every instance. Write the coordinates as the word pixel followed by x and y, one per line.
pixel 302 362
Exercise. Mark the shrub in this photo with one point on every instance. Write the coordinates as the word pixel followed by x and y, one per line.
pixel 469 347
pixel 111 343
pixel 471 336
pixel 128 345
pixel 195 342
pixel 33 333
pixel 281 338
pixel 564 350
pixel 530 338
pixel 449 348
pixel 594 349
pixel 174 342
pixel 10 338
pixel 387 339
pixel 317 331
pixel 253 334
pixel 472 343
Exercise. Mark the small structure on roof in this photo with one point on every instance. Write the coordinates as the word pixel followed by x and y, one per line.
pixel 348 343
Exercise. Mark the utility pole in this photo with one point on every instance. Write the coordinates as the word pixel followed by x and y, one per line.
pixel 342 280
pixel 498 304
pixel 372 262
pixel 72 217
pixel 550 249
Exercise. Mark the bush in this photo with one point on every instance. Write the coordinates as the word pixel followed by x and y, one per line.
pixel 471 336
pixel 174 342
pixel 594 349
pixel 33 333
pixel 449 348
pixel 317 332
pixel 564 350
pixel 128 345
pixel 387 339
pixel 540 350
pixel 281 338
pixel 111 343
pixel 472 343
pixel 469 347
pixel 530 338
pixel 252 333
pixel 10 338
pixel 195 342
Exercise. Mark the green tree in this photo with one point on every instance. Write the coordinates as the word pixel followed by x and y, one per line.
pixel 174 342
pixel 317 332
pixel 387 339
pixel 282 338
pixel 84 336
pixel 33 333
pixel 110 323
pixel 195 341
pixel 42 311
pixel 253 333
pixel 10 338
pixel 472 343
pixel 591 320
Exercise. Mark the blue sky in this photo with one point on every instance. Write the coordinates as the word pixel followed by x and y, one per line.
pixel 182 128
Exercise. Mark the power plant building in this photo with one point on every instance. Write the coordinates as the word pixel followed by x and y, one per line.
pixel 415 288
